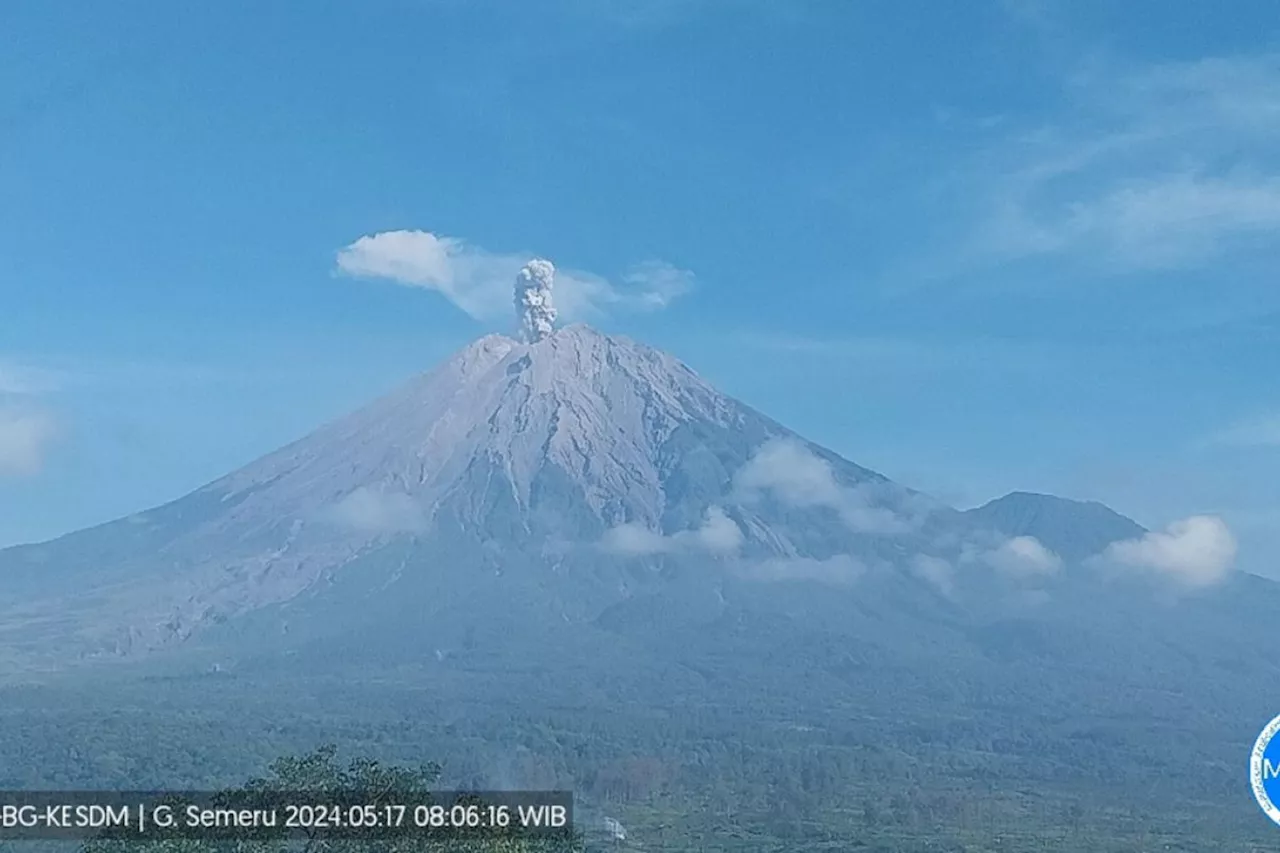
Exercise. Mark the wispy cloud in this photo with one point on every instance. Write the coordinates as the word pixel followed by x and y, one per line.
pixel 371 511
pixel 1168 221
pixel 1023 556
pixel 1262 431
pixel 27 428
pixel 718 534
pixel 1157 167
pixel 479 281
pixel 794 475
pixel 1197 551
pixel 934 570
pixel 655 284
pixel 26 435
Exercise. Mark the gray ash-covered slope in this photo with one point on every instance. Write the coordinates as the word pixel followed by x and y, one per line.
pixel 584 510
pixel 512 460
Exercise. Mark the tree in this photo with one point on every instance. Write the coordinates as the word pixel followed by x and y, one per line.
pixel 321 776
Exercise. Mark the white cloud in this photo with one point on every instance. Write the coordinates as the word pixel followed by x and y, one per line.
pixel 27 431
pixel 657 283
pixel 796 475
pixel 798 478
pixel 1197 551
pixel 1022 556
pixel 372 511
pixel 719 534
pixel 1256 432
pixel 1158 222
pixel 635 540
pixel 934 570
pixel 479 281
pixel 840 570
pixel 25 438
pixel 1161 167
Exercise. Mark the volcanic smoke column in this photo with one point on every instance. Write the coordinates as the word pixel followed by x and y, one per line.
pixel 533 300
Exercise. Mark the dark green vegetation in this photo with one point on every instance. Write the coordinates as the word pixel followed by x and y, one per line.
pixel 886 769
pixel 319 777
pixel 708 713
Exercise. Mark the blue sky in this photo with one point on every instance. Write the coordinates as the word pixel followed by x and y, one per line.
pixel 979 246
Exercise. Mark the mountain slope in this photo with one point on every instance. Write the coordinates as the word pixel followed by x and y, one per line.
pixel 523 454
pixel 1074 530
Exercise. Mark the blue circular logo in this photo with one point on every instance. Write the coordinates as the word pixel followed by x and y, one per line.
pixel 1264 770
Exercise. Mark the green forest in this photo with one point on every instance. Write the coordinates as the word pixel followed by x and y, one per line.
pixel 709 781
pixel 319 776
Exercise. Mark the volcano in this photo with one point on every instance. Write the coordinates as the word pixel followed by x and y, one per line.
pixel 584 466
pixel 573 481
pixel 576 529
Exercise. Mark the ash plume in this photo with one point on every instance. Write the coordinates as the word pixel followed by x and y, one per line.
pixel 536 313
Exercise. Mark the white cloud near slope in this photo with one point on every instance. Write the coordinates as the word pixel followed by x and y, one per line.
pixel 798 478
pixel 1197 551
pixel 718 534
pixel 1023 556
pixel 370 511
pixel 935 571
